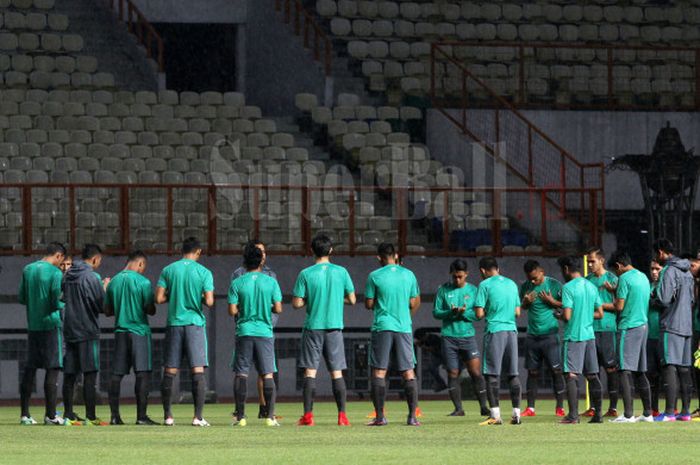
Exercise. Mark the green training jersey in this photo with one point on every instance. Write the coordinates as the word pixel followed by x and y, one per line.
pixel 634 287
pixel 185 281
pixel 40 292
pixel 323 287
pixel 583 299
pixel 653 317
pixel 392 287
pixel 448 297
pixel 609 320
pixel 499 298
pixel 129 293
pixel 540 316
pixel 255 293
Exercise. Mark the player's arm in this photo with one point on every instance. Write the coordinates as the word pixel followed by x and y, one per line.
pixel 441 310
pixel 298 302
pixel 370 293
pixel 369 304
pixel 208 298
pixel 350 299
pixel 527 297
pixel 161 295
pixel 550 300
pixel 566 314
pixel 299 292
pixel 414 304
pixel 479 313
pixel 517 312
pixel 598 314
pixel 22 292
pixel 277 307
pixel 233 309
pixel 618 305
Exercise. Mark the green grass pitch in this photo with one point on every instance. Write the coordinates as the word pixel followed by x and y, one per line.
pixel 440 440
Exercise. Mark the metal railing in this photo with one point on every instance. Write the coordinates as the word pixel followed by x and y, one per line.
pixel 305 25
pixel 421 221
pixel 513 140
pixel 141 28
pixel 611 89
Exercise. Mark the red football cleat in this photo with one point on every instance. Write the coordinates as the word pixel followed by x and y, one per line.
pixel 612 413
pixel 589 413
pixel 419 413
pixel 343 419
pixel 655 413
pixel 306 419
pixel 560 412
pixel 528 413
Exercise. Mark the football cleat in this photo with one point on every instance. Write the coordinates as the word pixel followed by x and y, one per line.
pixel 412 421
pixel 95 422
pixel 200 422
pixel 116 421
pixel 665 417
pixel 27 421
pixel 644 419
pixel 146 421
pixel 242 423
pixel 528 412
pixel 567 420
pixel 589 413
pixel 378 422
pixel 612 412
pixel 272 422
pixel 623 419
pixel 682 417
pixel 306 419
pixel 559 412
pixel 343 419
pixel 515 420
pixel 596 419
pixel 56 421
pixel 491 422
pixel 169 421
pixel 456 413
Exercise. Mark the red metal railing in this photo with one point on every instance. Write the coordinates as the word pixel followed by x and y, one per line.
pixel 306 25
pixel 141 28
pixel 614 91
pixel 160 216
pixel 511 139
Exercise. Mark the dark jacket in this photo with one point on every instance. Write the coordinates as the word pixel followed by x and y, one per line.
pixel 675 295
pixel 84 297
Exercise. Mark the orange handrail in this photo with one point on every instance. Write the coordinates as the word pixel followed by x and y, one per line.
pixel 141 28
pixel 305 24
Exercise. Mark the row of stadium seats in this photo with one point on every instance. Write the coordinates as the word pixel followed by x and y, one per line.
pixel 27 4
pixel 47 63
pixel 41 42
pixel 32 21
pixel 124 97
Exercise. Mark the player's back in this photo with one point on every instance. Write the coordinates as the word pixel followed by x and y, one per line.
pixel 255 293
pixel 324 286
pixel 499 297
pixel 40 291
pixel 633 286
pixel 129 293
pixel 185 281
pixel 392 287
pixel 582 297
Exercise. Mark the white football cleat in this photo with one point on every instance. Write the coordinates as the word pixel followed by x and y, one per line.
pixel 198 422
pixel 623 419
pixel 644 419
pixel 170 421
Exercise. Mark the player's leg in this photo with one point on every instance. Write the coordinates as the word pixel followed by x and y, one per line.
pixel 265 363
pixel 450 356
pixel 653 374
pixel 685 376
pixel 242 361
pixel 51 392
pixel 591 368
pixel 640 379
pixel 198 354
pixel 173 355
pixel 606 347
pixel 121 364
pixel 478 383
pixel 696 372
pixel 53 362
pixel 573 356
pixel 25 391
pixel 533 362
pixel 90 366
pixel 552 355
pixel 334 354
pixel 311 349
pixel 70 374
pixel 379 354
pixel 510 369
pixel 492 360
pixel 143 366
pixel 405 363
pixel 34 358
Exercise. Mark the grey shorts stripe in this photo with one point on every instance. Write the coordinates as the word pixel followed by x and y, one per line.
pixel 632 350
pixel 500 353
pixel 190 341
pixel 326 343
pixel 457 350
pixel 580 357
pixel 676 349
pixel 384 343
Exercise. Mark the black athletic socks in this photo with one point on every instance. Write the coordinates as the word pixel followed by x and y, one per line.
pixel 51 392
pixel 25 389
pixel 686 389
pixel 309 391
pixel 559 388
pixel 143 380
pixel 270 394
pixel 644 392
pixel 378 395
pixel 671 381
pixel 613 388
pixel 572 396
pixel 340 393
pixel 479 385
pixel 166 393
pixel 515 391
pixel 493 384
pixel 90 394
pixel 198 394
pixel 627 400
pixel 595 389
pixel 68 387
pixel 654 387
pixel 410 387
pixel 531 386
pixel 114 393
pixel 240 392
pixel 454 389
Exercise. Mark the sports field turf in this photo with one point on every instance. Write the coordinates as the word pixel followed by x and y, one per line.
pixel 441 440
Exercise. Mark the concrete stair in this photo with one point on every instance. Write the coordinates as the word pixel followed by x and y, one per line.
pixel 108 39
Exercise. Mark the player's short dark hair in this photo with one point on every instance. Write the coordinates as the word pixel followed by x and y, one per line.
pixel 689 256
pixel 531 265
pixel 571 262
pixel 596 250
pixel 136 255
pixel 256 241
pixel 252 257
pixel 386 250
pixel 458 265
pixel 55 247
pixel 190 245
pixel 621 257
pixel 321 245
pixel 90 250
pixel 488 263
pixel 664 245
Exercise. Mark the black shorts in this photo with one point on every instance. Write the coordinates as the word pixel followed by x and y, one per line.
pixel 45 349
pixel 653 357
pixel 380 351
pixel 188 340
pixel 457 350
pixel 543 349
pixel 330 343
pixel 82 357
pixel 131 351
pixel 253 350
pixel 500 354
pixel 606 348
